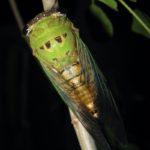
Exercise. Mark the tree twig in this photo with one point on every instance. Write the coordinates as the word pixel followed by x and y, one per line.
pixel 85 140
pixel 16 14
pixel 25 125
pixel 49 4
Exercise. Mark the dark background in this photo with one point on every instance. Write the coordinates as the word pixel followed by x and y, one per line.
pixel 32 115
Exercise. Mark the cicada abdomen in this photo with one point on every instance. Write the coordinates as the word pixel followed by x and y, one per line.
pixel 66 60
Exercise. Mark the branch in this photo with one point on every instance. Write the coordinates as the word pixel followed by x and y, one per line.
pixel 85 140
pixel 49 4
pixel 16 14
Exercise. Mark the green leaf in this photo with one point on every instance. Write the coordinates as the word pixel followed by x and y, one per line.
pixel 110 3
pixel 101 15
pixel 138 27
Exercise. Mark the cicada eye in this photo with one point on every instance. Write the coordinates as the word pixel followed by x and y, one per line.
pixel 48 44
pixel 58 39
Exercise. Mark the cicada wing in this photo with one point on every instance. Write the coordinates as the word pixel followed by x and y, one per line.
pixel 110 119
pixel 82 114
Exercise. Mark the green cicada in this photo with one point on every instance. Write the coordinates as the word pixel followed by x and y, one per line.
pixel 66 60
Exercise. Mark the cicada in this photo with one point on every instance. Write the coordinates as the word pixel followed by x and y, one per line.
pixel 70 67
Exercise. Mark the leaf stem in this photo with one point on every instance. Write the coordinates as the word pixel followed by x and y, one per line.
pixel 135 15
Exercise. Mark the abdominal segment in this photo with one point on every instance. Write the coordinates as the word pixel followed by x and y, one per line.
pixel 82 91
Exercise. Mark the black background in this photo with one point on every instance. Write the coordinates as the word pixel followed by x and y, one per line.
pixel 32 115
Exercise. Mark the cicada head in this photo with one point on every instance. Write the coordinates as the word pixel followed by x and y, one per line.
pixel 52 37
